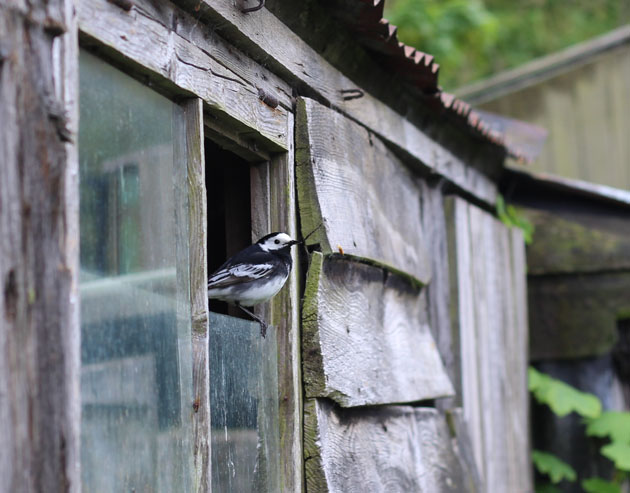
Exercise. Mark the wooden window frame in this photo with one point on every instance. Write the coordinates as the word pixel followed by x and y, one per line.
pixel 259 132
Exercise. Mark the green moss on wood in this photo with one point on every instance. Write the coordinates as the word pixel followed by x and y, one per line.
pixel 313 468
pixel 563 245
pixel 308 202
pixel 312 360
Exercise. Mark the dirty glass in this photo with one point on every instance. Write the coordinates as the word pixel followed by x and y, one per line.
pixel 243 406
pixel 136 377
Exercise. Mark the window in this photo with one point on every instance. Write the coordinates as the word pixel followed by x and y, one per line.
pixel 136 377
pixel 243 365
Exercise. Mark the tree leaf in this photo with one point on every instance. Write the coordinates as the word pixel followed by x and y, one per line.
pixel 599 485
pixel 555 468
pixel 619 453
pixel 613 424
pixel 562 398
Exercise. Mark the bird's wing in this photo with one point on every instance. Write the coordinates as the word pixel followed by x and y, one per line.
pixel 239 273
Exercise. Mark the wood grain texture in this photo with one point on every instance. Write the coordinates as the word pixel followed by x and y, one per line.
pixel 365 197
pixel 39 195
pixel 274 209
pixel 439 289
pixel 387 449
pixel 176 49
pixel 489 260
pixel 197 210
pixel 268 40
pixel 366 337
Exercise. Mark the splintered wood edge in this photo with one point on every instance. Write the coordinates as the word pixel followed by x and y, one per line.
pixel 310 211
pixel 313 467
pixel 312 359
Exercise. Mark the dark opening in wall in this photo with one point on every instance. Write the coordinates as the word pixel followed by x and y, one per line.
pixel 229 211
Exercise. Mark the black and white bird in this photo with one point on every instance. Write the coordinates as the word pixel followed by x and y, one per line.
pixel 254 275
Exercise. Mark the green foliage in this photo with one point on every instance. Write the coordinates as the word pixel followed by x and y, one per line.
pixel 619 453
pixel 555 468
pixel 599 485
pixel 613 424
pixel 473 39
pixel 513 218
pixel 562 398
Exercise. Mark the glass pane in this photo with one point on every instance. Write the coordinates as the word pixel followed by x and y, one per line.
pixel 243 406
pixel 136 377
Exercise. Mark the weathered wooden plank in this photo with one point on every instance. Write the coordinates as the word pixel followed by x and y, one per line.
pixel 198 271
pixel 491 273
pixel 39 325
pixel 143 37
pixel 274 209
pixel 586 242
pixel 439 289
pixel 386 449
pixel 463 314
pixel 575 316
pixel 268 40
pixel 366 337
pixel 365 197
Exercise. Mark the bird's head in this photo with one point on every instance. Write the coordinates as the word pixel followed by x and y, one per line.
pixel 276 241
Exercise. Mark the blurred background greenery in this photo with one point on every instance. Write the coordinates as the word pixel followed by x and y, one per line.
pixel 472 39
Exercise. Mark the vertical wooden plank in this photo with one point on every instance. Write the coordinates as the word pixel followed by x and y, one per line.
pixel 439 293
pixel 197 209
pixel 491 315
pixel 467 329
pixel 519 350
pixel 274 209
pixel 39 329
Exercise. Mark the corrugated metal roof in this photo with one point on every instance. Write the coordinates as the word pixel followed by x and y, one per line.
pixel 365 19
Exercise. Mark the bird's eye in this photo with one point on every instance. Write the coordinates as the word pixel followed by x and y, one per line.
pixel 277 242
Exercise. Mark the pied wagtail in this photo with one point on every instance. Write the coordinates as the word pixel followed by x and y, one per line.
pixel 254 275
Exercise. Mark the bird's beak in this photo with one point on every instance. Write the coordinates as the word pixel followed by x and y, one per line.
pixel 293 242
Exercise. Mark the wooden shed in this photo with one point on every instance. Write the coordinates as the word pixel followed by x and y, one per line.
pixel 580 95
pixel 142 143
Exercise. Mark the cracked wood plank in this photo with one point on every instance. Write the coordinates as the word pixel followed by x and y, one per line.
pixel 366 338
pixel 366 198
pixel 381 450
pixel 39 204
pixel 183 56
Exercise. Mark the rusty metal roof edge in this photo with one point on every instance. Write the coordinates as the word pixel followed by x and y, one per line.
pixel 419 69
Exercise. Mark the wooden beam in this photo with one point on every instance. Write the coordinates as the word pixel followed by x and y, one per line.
pixel 270 42
pixel 274 209
pixel 390 448
pixel 39 261
pixel 365 199
pixel 366 337
pixel 197 210
pixel 181 55
pixel 575 316
pixel 586 242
